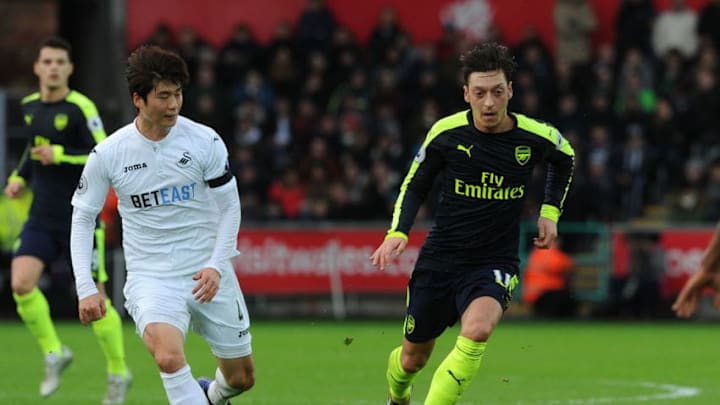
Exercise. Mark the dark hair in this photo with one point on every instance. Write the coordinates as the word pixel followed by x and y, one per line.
pixel 150 64
pixel 57 43
pixel 487 57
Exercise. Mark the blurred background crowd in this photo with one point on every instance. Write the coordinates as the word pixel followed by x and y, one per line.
pixel 322 127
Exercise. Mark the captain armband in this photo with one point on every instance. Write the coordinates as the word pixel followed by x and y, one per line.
pixel 219 181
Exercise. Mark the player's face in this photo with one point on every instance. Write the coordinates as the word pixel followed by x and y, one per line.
pixel 163 104
pixel 53 68
pixel 488 94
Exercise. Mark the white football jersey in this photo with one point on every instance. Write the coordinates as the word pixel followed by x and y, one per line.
pixel 169 219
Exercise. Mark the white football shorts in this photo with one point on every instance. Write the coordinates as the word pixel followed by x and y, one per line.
pixel 223 322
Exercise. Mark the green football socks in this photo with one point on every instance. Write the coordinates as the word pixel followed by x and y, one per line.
pixel 109 334
pixel 454 374
pixel 399 380
pixel 34 311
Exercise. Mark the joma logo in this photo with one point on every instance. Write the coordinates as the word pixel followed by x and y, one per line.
pixel 136 166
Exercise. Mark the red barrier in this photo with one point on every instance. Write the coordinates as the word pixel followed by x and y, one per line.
pixel 309 261
pixel 305 261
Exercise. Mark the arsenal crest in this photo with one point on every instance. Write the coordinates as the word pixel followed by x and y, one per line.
pixel 522 154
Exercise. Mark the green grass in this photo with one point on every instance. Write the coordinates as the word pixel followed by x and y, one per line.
pixel 304 362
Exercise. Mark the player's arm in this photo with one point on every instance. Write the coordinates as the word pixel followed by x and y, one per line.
pixel 20 176
pixel 707 276
pixel 17 181
pixel 428 162
pixel 88 200
pixel 223 189
pixel 560 165
pixel 89 133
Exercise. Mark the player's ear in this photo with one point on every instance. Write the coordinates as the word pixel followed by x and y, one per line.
pixel 137 100
pixel 466 93
pixel 510 90
pixel 72 68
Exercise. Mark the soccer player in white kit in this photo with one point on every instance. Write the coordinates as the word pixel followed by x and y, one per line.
pixel 180 215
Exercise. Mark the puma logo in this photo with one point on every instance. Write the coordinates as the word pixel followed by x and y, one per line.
pixel 465 149
pixel 459 381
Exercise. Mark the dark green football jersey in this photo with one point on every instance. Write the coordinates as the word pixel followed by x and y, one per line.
pixel 485 180
pixel 73 127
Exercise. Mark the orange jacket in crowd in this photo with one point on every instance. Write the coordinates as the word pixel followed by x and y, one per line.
pixel 545 270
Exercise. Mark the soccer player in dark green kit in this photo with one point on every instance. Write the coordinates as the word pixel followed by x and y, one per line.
pixel 468 266
pixel 62 127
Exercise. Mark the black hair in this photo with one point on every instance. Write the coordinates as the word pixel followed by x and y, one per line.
pixel 57 43
pixel 488 57
pixel 150 64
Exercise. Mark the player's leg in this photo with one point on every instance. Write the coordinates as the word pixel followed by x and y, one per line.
pixel 158 307
pixel 488 296
pixel 232 378
pixel 108 330
pixel 224 322
pixel 36 248
pixel 109 334
pixel 430 309
pixel 404 365
pixel 165 343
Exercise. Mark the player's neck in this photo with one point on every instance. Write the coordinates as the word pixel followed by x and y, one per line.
pixel 53 95
pixel 506 124
pixel 151 131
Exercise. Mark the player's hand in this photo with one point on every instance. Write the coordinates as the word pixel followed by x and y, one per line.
pixel 208 284
pixel 45 153
pixel 14 189
pixel 547 233
pixel 391 247
pixel 91 308
pixel 687 301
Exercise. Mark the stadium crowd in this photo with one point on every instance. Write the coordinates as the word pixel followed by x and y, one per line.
pixel 322 127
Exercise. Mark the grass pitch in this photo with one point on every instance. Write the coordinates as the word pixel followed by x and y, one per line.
pixel 311 363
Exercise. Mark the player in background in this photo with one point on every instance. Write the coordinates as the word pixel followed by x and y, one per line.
pixel 708 276
pixel 468 266
pixel 180 213
pixel 62 126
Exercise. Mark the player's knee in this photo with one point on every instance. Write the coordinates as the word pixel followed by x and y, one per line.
pixel 21 287
pixel 242 381
pixel 479 333
pixel 169 362
pixel 414 362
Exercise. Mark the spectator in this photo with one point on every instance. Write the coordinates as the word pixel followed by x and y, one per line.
pixel 286 195
pixel 676 28
pixel 385 33
pixel 162 36
pixel 190 46
pixel 708 27
pixel 574 24
pixel 546 285
pixel 238 55
pixel 315 27
pixel 633 26
pixel 689 203
pixel 209 102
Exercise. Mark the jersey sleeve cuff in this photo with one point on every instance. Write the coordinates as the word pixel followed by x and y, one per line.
pixel 215 267
pixel 550 212
pixel 396 234
pixel 58 153
pixel 16 178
